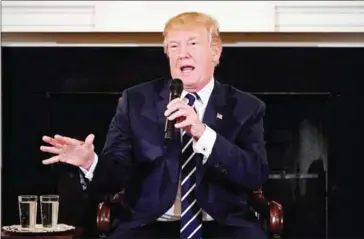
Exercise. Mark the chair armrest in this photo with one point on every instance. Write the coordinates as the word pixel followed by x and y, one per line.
pixel 269 212
pixel 103 217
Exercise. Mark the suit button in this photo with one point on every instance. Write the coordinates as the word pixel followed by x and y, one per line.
pixel 217 166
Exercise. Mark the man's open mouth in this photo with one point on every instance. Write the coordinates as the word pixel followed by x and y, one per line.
pixel 187 68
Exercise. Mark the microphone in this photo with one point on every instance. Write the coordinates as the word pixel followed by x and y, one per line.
pixel 175 92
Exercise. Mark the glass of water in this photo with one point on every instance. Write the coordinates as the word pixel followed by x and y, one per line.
pixel 49 205
pixel 27 211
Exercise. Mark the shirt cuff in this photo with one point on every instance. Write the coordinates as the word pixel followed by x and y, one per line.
pixel 90 173
pixel 205 143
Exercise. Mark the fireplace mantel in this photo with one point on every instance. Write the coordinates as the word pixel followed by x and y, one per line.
pixel 155 38
pixel 150 16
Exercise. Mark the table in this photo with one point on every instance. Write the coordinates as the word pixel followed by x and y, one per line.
pixel 65 235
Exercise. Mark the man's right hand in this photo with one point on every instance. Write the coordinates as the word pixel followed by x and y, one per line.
pixel 71 151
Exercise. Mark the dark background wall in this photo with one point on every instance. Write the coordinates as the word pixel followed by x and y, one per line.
pixel 312 121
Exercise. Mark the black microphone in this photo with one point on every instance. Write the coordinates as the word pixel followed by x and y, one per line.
pixel 175 92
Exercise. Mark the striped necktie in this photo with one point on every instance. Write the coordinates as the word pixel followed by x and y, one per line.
pixel 191 217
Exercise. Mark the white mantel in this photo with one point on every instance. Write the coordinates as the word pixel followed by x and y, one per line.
pixel 150 16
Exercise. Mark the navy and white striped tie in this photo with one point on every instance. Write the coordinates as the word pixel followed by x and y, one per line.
pixel 191 217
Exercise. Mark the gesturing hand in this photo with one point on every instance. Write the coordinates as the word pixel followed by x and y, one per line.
pixel 186 117
pixel 68 150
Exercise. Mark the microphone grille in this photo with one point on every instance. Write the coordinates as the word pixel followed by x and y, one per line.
pixel 177 85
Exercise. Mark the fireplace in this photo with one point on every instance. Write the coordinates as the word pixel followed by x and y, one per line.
pixel 308 92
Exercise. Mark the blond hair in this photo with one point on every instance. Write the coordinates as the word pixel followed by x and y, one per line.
pixel 190 20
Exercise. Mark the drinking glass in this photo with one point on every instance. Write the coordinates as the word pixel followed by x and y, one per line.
pixel 49 205
pixel 27 210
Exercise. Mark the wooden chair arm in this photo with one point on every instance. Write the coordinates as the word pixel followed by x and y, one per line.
pixel 269 212
pixel 103 216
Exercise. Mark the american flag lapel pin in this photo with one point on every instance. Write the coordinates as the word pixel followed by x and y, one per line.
pixel 219 116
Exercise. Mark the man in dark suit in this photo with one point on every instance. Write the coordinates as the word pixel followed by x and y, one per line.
pixel 197 186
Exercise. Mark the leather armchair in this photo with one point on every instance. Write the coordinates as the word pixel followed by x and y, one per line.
pixel 270 213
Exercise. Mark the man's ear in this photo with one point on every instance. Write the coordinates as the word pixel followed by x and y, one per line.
pixel 216 52
pixel 165 49
pixel 166 53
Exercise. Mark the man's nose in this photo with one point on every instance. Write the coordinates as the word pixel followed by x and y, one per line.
pixel 183 53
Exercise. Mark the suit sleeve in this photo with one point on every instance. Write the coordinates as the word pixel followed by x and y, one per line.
pixel 243 162
pixel 114 165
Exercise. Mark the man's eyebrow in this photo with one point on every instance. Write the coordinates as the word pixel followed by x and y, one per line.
pixel 178 42
pixel 173 41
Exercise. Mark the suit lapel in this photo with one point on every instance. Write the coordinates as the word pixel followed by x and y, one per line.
pixel 215 107
pixel 172 153
pixel 213 117
pixel 161 103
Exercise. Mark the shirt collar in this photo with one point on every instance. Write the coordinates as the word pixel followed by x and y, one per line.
pixel 204 93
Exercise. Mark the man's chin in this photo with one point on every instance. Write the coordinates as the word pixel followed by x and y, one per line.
pixel 188 80
pixel 189 84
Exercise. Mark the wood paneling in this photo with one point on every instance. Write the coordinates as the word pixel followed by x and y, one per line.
pixel 156 38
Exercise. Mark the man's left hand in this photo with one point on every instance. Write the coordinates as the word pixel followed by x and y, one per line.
pixel 186 117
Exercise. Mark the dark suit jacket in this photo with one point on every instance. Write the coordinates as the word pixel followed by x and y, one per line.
pixel 134 157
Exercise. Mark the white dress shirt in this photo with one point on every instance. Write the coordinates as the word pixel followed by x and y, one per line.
pixel 204 146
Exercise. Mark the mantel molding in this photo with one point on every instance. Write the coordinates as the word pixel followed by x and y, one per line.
pixel 156 38
pixel 150 16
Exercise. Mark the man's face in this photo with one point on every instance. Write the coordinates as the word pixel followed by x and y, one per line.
pixel 191 57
